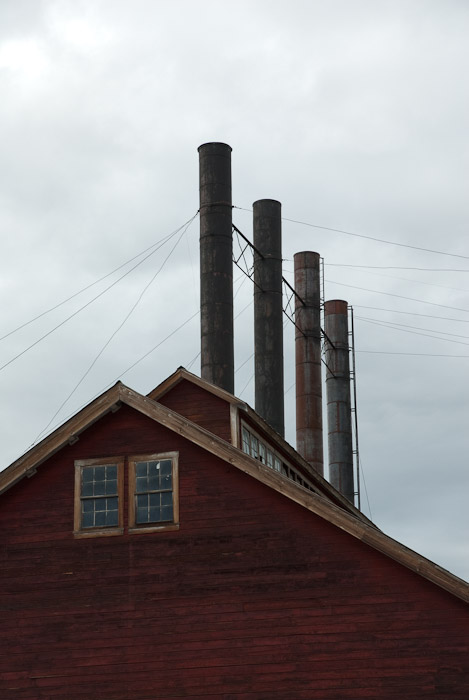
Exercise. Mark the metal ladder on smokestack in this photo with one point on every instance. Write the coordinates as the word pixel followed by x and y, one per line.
pixel 354 408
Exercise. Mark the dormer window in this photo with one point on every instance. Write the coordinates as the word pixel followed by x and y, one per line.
pixel 253 445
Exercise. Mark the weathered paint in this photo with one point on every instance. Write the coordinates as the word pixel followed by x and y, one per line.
pixel 252 598
pixel 268 313
pixel 309 435
pixel 200 406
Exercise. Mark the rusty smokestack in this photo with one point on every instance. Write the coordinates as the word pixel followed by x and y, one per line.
pixel 338 398
pixel 309 438
pixel 268 313
pixel 216 266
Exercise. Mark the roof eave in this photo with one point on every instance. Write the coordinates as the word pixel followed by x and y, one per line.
pixel 65 434
pixel 316 503
pixel 322 484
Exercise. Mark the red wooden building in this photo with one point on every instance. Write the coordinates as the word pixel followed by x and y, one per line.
pixel 174 546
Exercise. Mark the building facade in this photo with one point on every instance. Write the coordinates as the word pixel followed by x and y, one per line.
pixel 174 546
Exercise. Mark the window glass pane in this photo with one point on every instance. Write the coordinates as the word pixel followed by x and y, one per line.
pixel 111 487
pixel 246 441
pixel 87 519
pixel 154 515
pixel 153 476
pixel 141 469
pixel 153 494
pixel 155 499
pixel 111 504
pixel 99 488
pixel 112 518
pixel 87 489
pixel 153 483
pixel 270 459
pixel 166 467
pixel 142 484
pixel 99 496
pixel 100 518
pixel 87 516
pixel 153 468
pixel 99 481
pixel 277 464
pixel 167 498
pixel 167 513
pixel 111 471
pixel 142 515
pixel 100 512
pixel 166 482
pixel 262 452
pixel 142 501
pixel 87 475
pixel 254 447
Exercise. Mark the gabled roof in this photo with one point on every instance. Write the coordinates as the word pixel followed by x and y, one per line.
pixel 322 486
pixel 67 433
pixel 182 373
pixel 317 504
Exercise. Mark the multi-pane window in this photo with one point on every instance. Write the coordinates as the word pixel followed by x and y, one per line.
pixel 154 491
pixel 99 497
pixel 151 494
pixel 253 446
pixel 246 441
pixel 262 451
pixel 153 484
pixel 98 503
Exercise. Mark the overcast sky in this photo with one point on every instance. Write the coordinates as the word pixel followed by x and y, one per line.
pixel 352 113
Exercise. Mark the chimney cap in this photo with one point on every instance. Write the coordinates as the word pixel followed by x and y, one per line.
pixel 335 306
pixel 307 255
pixel 214 146
pixel 267 200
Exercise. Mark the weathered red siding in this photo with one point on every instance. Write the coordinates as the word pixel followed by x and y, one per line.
pixel 254 598
pixel 199 406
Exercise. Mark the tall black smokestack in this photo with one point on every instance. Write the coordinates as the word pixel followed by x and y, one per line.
pixel 216 265
pixel 339 415
pixel 309 438
pixel 268 310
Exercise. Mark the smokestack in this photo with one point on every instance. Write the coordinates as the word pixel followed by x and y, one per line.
pixel 309 437
pixel 216 266
pixel 338 398
pixel 268 310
